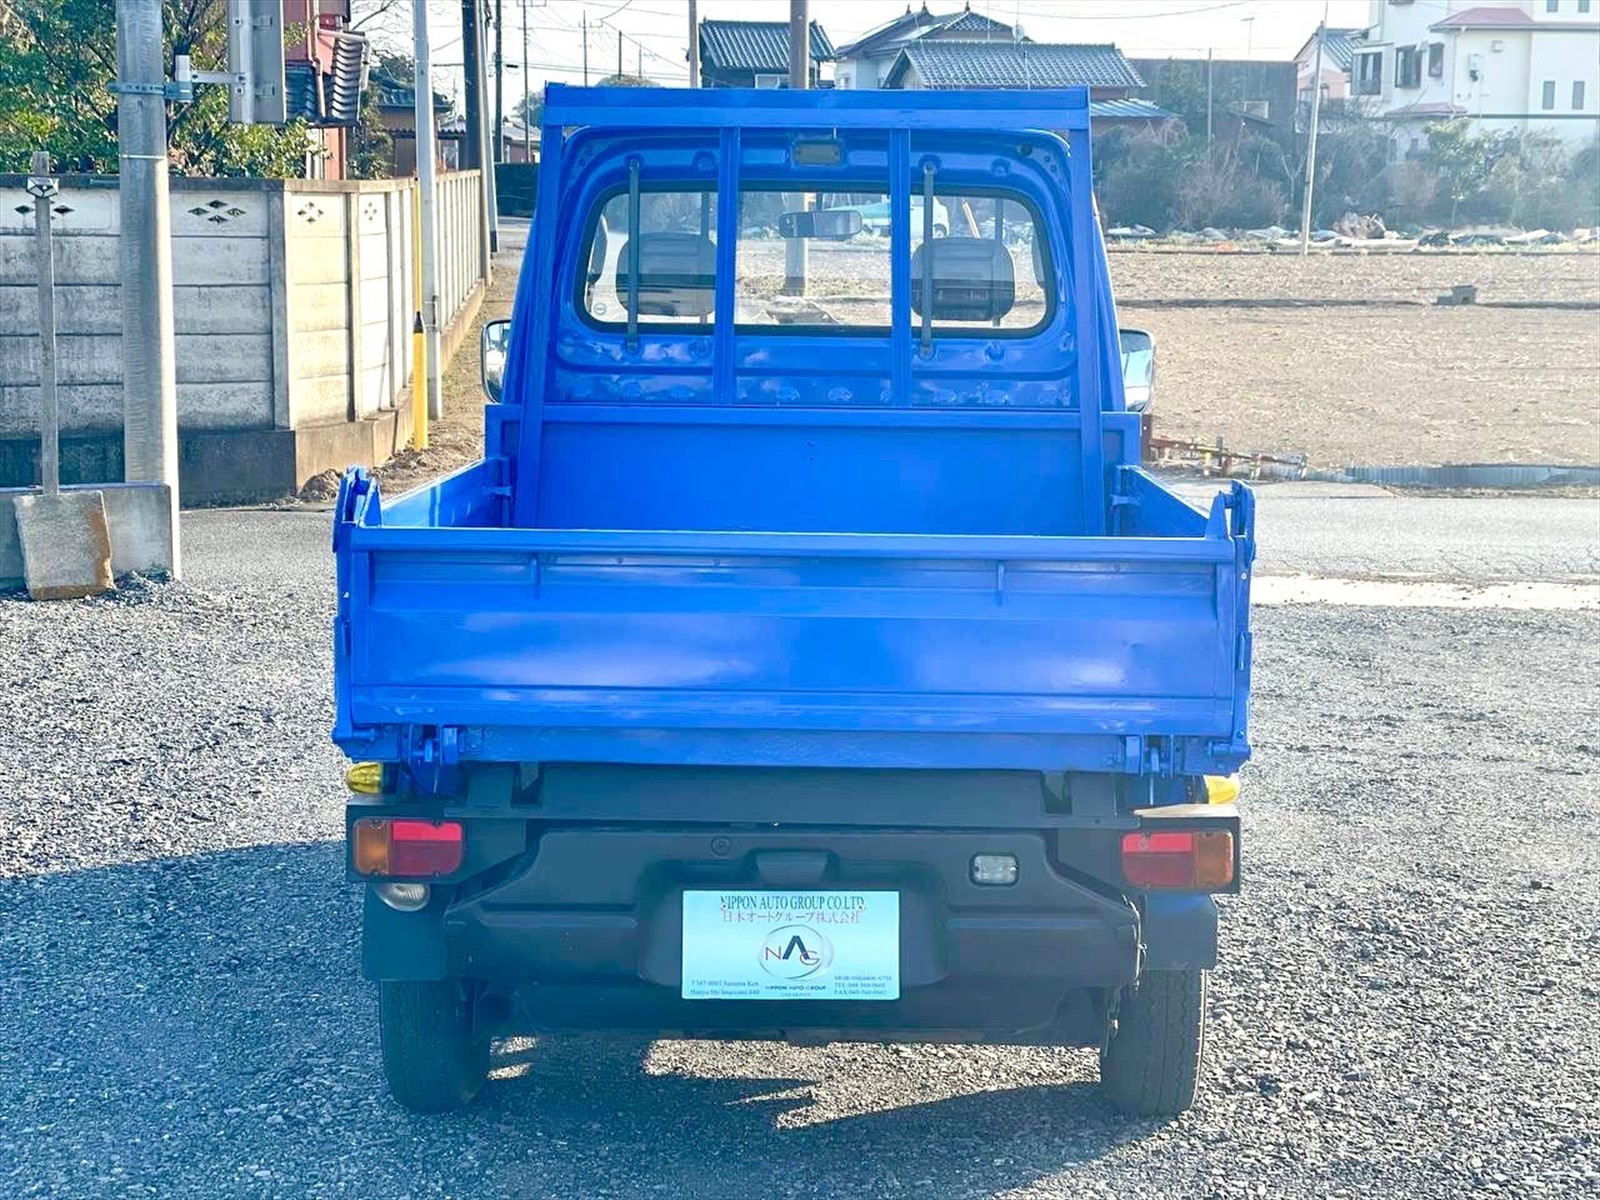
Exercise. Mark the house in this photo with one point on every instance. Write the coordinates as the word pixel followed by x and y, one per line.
pixel 755 53
pixel 396 102
pixel 865 62
pixel 1338 47
pixel 324 73
pixel 1245 93
pixel 1104 70
pixel 1527 67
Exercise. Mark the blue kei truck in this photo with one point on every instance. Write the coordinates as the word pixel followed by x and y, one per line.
pixel 809 656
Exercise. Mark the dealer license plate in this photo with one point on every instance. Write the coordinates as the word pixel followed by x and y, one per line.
pixel 833 945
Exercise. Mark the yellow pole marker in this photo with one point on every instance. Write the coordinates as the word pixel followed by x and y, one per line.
pixel 419 344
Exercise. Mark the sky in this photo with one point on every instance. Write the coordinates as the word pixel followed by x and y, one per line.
pixel 655 33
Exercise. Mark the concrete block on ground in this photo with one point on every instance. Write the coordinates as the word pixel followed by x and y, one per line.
pixel 66 544
pixel 135 518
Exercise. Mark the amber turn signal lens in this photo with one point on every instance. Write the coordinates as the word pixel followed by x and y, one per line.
pixel 371 850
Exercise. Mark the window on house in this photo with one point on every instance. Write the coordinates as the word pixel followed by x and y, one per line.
pixel 1435 60
pixel 1552 6
pixel 1577 95
pixel 1583 6
pixel 1369 73
pixel 1548 101
pixel 772 81
pixel 1407 67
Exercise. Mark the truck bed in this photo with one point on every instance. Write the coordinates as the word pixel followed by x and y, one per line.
pixel 793 649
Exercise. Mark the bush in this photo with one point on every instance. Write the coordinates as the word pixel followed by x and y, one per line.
pixel 1139 173
pixel 1225 194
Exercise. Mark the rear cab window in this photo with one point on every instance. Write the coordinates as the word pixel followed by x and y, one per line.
pixel 815 256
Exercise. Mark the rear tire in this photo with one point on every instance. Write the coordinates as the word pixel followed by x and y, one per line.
pixel 431 1058
pixel 1150 1065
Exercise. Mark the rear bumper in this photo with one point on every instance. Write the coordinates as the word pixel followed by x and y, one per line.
pixel 584 932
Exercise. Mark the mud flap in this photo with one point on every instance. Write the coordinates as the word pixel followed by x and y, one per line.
pixel 1179 932
pixel 402 945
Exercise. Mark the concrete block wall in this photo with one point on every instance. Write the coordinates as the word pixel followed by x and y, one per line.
pixel 293 305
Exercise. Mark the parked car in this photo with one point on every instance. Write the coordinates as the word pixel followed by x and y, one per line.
pixel 875 217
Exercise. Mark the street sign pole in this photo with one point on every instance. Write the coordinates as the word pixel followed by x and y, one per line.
pixel 149 380
pixel 44 190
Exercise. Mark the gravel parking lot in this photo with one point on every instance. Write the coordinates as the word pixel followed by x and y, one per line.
pixel 1407 1007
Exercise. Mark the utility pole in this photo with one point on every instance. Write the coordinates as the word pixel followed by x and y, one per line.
pixel 694 45
pixel 427 183
pixel 1208 103
pixel 149 377
pixel 499 79
pixel 488 155
pixel 1311 147
pixel 586 47
pixel 619 55
pixel 527 91
pixel 794 282
pixel 472 144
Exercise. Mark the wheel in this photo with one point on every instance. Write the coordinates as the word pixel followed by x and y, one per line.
pixel 1150 1065
pixel 431 1057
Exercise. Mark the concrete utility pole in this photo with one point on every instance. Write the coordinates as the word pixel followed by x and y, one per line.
pixel 499 78
pixel 527 91
pixel 1311 147
pixel 795 256
pixel 472 144
pixel 694 45
pixel 1208 102
pixel 586 47
pixel 149 377
pixel 427 184
pixel 488 207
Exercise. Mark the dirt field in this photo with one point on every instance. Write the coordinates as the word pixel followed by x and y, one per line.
pixel 1401 382
pixel 1377 384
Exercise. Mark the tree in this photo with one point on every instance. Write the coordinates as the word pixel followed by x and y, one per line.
pixel 623 81
pixel 57 64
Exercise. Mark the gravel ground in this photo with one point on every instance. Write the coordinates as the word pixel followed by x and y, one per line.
pixel 1407 1005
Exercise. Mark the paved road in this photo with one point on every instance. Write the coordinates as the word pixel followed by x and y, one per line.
pixel 1407 1005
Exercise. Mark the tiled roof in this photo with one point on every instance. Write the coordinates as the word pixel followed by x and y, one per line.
pixel 912 25
pixel 1126 110
pixel 1005 65
pixel 332 97
pixel 399 93
pixel 755 45
pixel 1484 18
pixel 1339 46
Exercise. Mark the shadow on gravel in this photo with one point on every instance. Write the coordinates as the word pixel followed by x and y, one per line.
pixel 198 1026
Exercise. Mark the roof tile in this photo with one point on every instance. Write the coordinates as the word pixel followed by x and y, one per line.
pixel 941 64
pixel 756 45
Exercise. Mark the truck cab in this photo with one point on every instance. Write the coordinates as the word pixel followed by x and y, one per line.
pixel 809 657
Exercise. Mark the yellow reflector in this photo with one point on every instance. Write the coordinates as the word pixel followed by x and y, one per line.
pixel 1222 789
pixel 365 778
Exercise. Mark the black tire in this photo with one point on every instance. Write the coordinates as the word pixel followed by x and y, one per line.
pixel 1150 1065
pixel 432 1060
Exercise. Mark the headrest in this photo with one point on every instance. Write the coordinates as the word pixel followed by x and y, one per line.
pixel 973 278
pixel 677 275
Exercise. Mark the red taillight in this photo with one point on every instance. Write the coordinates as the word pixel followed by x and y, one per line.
pixel 1192 859
pixel 399 847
